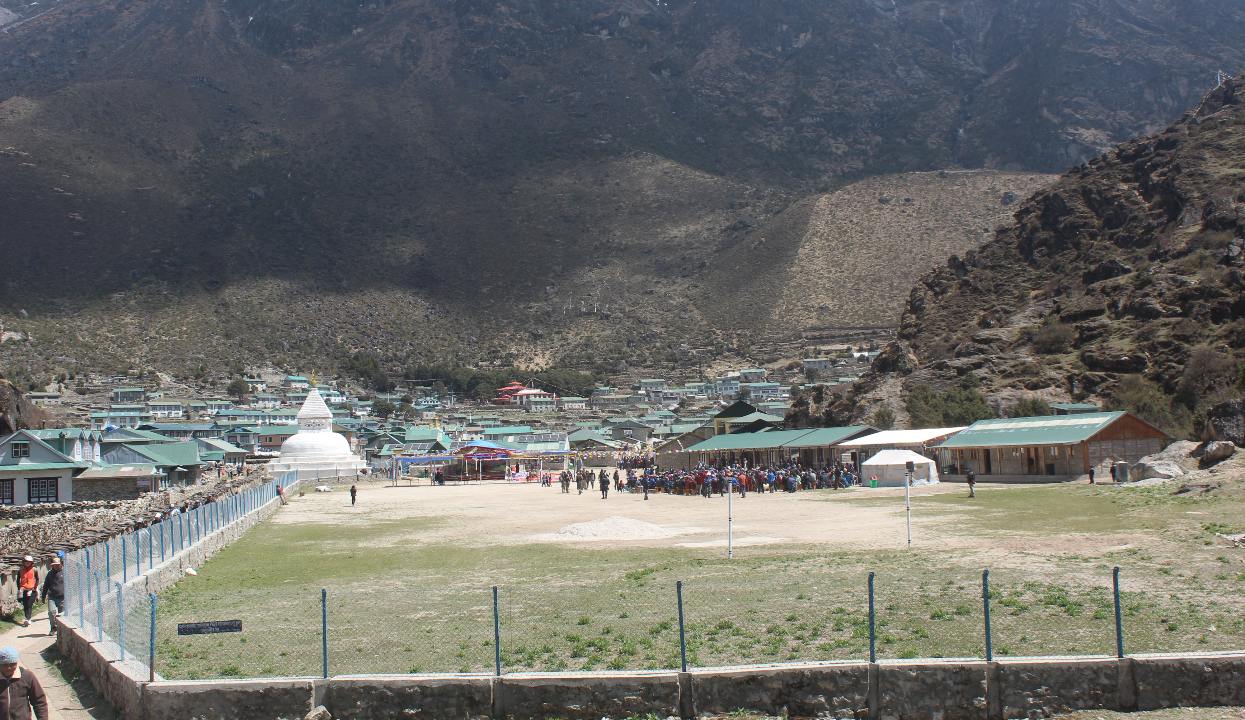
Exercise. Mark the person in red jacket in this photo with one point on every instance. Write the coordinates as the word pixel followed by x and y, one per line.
pixel 20 690
pixel 28 587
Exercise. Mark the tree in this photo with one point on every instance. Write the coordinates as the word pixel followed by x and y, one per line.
pixel 406 410
pixel 811 374
pixel 383 409
pixel 239 389
pixel 959 405
pixel 884 418
pixel 1032 406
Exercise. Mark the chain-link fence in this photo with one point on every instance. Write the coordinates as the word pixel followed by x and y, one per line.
pixel 105 589
pixel 547 627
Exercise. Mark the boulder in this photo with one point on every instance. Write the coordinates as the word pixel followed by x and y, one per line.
pixel 1226 421
pixel 1083 308
pixel 969 349
pixel 1160 469
pixel 1217 451
pixel 1112 361
pixel 320 713
pixel 1105 271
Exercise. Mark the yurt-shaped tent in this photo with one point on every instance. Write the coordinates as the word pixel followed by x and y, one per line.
pixel 889 466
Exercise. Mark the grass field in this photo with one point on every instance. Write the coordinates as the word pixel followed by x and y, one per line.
pixel 409 574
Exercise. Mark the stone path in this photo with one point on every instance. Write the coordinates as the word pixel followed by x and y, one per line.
pixel 66 701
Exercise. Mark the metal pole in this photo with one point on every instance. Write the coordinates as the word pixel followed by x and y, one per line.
pixel 81 601
pixel 985 600
pixel 1119 622
pixel 162 542
pixel 151 546
pixel 496 635
pixel 108 559
pixel 730 521
pixel 99 610
pixel 873 648
pixel 151 663
pixel 324 629
pixel 682 631
pixel 907 500
pixel 121 619
pixel 125 570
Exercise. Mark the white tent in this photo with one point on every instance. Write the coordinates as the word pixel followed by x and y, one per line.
pixel 889 466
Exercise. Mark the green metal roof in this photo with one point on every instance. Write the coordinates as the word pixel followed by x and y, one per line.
pixel 829 436
pixel 749 441
pixel 183 453
pixel 1043 430
pixel 1075 406
pixel 35 467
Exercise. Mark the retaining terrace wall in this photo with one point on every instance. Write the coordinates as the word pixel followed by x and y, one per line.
pixel 891 690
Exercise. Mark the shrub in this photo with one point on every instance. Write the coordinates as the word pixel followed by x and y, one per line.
pixel 962 405
pixel 884 418
pixel 1032 407
pixel 1053 338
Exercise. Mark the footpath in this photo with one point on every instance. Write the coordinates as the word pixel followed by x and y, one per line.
pixel 78 701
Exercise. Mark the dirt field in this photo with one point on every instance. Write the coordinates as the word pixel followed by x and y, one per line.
pixel 586 583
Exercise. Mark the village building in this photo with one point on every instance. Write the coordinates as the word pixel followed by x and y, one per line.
pixel 818 363
pixel 33 471
pixel 572 403
pixel 753 375
pixel 296 382
pixel 166 408
pixel 128 396
pixel 1051 447
pixel 44 399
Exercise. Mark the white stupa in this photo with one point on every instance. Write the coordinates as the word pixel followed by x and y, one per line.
pixel 315 450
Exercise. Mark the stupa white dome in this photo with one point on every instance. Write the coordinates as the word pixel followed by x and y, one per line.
pixel 315 450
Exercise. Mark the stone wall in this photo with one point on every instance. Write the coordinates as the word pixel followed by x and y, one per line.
pixel 25 512
pixel 79 525
pixel 125 488
pixel 891 690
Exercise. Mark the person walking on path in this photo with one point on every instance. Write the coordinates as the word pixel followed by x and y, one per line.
pixel 1091 476
pixel 971 477
pixel 28 587
pixel 604 482
pixel 54 593
pixel 354 493
pixel 20 690
pixel 281 494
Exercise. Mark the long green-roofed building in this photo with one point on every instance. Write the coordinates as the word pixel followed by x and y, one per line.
pixel 1050 447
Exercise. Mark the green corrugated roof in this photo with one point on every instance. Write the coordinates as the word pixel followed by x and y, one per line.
pixel 174 453
pixel 829 436
pixel 1044 430
pixel 34 467
pixel 749 441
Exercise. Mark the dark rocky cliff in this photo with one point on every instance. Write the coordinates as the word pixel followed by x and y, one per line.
pixel 1121 285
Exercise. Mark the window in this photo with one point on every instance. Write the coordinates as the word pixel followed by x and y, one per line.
pixel 6 492
pixel 43 490
pixel 20 449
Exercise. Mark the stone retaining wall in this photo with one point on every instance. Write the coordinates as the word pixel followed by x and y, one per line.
pixel 891 690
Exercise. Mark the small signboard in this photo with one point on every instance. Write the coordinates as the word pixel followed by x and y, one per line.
pixel 204 628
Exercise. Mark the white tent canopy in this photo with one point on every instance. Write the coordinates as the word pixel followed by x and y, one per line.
pixel 889 466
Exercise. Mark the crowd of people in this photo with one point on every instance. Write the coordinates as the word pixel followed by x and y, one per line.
pixel 706 480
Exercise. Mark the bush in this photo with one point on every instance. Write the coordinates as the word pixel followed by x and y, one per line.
pixel 1053 338
pixel 884 418
pixel 1032 407
pixel 962 405
pixel 1147 401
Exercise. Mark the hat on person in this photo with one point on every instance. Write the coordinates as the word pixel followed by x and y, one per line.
pixel 28 559
pixel 8 655
pixel 56 561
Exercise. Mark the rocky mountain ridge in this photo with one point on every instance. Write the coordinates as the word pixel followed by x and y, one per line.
pixel 1121 284
pixel 494 168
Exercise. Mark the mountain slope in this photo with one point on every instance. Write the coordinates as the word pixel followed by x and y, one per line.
pixel 1120 284
pixel 511 169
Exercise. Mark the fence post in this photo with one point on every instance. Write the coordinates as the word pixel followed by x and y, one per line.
pixel 873 648
pixel 99 610
pixel 81 600
pixel 324 629
pixel 121 619
pixel 1119 621
pixel 125 562
pixel 108 559
pixel 682 632
pixel 151 664
pixel 151 546
pixel 985 600
pixel 162 541
pixel 496 635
